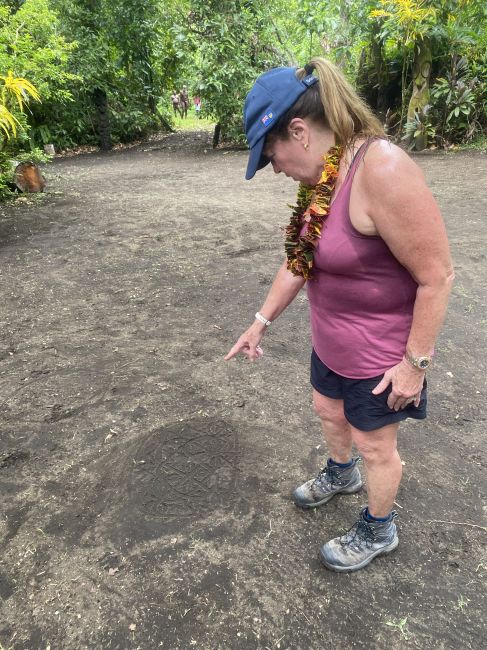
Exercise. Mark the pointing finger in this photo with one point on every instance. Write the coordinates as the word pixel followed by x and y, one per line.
pixel 233 352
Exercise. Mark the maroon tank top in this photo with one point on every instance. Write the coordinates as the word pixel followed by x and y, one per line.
pixel 361 297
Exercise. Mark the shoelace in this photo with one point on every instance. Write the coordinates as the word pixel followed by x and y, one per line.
pixel 359 533
pixel 326 476
pixel 330 475
pixel 362 531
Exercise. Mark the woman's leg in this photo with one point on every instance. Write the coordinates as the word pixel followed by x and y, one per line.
pixel 375 532
pixel 378 450
pixel 336 429
pixel 332 479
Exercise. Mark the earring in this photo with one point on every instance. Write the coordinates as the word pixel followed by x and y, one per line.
pixel 306 146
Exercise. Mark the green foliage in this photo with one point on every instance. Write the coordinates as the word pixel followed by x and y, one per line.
pixel 234 45
pixel 134 53
pixel 133 123
pixel 450 29
pixel 419 127
pixel 193 123
pixel 400 626
pixel 459 100
pixel 5 190
pixel 35 155
pixel 5 174
pixel 231 42
pixel 337 29
pixel 405 20
pixel 126 51
pixel 32 47
pixel 15 93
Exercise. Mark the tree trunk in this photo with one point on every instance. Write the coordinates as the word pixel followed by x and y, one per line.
pixel 421 92
pixel 103 119
pixel 381 73
pixel 373 74
pixel 151 99
pixel 165 123
pixel 362 77
pixel 216 135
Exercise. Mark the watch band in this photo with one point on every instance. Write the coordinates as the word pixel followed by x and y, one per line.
pixel 421 363
pixel 262 319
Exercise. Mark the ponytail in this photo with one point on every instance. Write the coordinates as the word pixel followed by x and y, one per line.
pixel 333 103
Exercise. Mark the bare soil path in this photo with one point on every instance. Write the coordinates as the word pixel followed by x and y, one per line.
pixel 145 483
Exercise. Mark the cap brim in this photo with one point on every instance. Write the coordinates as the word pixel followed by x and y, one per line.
pixel 257 160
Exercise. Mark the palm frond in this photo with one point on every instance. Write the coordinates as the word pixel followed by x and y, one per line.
pixel 8 122
pixel 19 88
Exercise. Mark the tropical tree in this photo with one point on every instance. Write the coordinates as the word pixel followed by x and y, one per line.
pixel 427 34
pixel 234 41
pixel 409 23
pixel 30 45
pixel 125 60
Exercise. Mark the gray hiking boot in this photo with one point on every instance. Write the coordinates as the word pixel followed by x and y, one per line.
pixel 330 481
pixel 361 544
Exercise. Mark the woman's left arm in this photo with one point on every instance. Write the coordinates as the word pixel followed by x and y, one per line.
pixel 406 216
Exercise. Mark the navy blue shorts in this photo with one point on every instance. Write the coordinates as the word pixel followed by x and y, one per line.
pixel 362 409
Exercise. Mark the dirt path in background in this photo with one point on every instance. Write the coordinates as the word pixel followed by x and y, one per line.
pixel 145 482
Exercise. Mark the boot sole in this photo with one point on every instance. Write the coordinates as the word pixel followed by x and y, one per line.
pixel 310 506
pixel 346 569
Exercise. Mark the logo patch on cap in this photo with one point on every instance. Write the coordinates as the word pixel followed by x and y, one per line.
pixel 268 117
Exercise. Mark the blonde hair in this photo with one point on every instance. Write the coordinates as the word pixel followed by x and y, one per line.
pixel 332 102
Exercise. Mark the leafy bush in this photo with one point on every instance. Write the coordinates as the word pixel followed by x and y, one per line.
pixel 132 123
pixel 5 177
pixel 458 104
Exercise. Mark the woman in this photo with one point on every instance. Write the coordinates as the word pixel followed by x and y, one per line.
pixel 367 239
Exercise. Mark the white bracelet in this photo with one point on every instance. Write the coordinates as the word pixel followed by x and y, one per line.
pixel 262 319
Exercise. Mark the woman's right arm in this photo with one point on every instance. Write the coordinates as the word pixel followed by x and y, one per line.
pixel 284 289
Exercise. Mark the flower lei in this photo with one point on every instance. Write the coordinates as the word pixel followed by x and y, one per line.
pixel 313 207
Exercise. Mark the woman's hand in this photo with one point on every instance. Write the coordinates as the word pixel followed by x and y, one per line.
pixel 407 384
pixel 284 289
pixel 248 343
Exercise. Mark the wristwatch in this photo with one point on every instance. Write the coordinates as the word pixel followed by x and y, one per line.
pixel 421 363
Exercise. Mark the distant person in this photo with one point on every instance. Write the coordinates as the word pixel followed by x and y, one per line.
pixel 183 101
pixel 197 106
pixel 175 103
pixel 367 239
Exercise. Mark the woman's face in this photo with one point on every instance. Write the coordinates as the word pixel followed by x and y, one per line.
pixel 292 158
pixel 286 156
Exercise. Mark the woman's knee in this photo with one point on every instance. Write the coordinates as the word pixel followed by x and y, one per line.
pixel 375 450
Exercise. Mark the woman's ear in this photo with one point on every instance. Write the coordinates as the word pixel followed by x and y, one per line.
pixel 298 130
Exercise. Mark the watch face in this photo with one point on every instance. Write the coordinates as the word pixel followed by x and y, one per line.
pixel 424 363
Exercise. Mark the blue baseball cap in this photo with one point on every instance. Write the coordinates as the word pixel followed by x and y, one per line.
pixel 271 96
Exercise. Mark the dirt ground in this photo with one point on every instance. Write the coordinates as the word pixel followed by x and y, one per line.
pixel 145 483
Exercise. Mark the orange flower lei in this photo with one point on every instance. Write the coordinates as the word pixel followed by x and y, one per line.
pixel 313 207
